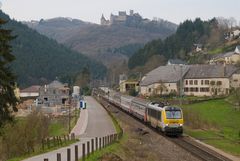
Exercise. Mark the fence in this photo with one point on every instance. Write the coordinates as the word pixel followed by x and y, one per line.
pixel 57 141
pixel 89 147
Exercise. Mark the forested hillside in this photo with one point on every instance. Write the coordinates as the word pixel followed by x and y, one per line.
pixel 114 42
pixel 180 44
pixel 40 59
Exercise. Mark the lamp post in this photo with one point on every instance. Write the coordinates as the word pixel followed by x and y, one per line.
pixel 69 120
pixel 181 84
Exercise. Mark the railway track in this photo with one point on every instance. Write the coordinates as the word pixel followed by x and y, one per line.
pixel 200 151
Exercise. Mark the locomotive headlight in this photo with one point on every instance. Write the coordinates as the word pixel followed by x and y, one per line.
pixel 166 124
pixel 180 124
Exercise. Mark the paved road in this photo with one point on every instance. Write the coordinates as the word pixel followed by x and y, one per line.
pixel 93 122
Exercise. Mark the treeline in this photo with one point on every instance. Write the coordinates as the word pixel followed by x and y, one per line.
pixel 181 43
pixel 40 59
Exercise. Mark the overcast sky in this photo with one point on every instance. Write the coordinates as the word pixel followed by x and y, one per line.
pixel 91 10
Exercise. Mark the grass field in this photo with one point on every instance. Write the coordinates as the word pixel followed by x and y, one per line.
pixel 59 127
pixel 223 124
pixel 114 149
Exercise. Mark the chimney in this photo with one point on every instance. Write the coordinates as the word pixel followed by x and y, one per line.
pixel 224 70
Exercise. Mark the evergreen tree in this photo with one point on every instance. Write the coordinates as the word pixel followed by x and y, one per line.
pixel 8 99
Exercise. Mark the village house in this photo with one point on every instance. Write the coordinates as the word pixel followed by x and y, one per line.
pixel 194 80
pixel 176 62
pixel 209 80
pixel 125 84
pixel 163 80
pixel 128 85
pixel 232 34
pixel 30 92
pixel 54 94
pixel 198 47
pixel 232 57
pixel 235 80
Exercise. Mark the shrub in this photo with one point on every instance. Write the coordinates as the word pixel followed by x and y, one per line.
pixel 23 136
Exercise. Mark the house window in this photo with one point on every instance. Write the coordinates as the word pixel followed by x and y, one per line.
pixel 191 82
pixel 207 82
pixel 186 89
pixel 45 99
pixel 195 82
pixel 219 83
pixel 149 90
pixel 201 82
pixel 212 83
pixel 204 89
pixel 186 82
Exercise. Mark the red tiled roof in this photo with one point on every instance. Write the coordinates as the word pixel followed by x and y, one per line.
pixel 31 89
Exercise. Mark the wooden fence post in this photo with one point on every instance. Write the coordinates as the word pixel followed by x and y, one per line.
pixel 43 142
pixel 54 144
pixel 96 141
pixel 65 140
pixel 58 156
pixel 83 152
pixel 100 143
pixel 88 148
pixel 92 145
pixel 48 143
pixel 103 142
pixel 68 154
pixel 76 152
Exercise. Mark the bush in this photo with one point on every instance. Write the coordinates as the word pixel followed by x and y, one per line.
pixel 23 136
pixel 132 92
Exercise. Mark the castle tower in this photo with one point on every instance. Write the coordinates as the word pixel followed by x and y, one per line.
pixel 131 12
pixel 104 21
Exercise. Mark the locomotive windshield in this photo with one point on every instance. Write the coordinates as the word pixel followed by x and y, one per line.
pixel 173 114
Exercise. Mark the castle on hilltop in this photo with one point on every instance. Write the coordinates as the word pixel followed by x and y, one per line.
pixel 121 18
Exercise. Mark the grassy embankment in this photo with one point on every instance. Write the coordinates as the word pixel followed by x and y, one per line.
pixel 59 127
pixel 215 122
pixel 229 46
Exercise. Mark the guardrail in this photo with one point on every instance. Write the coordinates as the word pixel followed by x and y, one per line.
pixel 89 147
pixel 57 141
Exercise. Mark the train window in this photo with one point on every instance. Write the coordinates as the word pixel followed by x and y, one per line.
pixel 159 115
pixel 174 114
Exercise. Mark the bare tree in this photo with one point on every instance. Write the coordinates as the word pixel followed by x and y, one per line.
pixel 160 88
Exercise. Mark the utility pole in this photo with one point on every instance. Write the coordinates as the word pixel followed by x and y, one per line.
pixel 69 120
pixel 181 84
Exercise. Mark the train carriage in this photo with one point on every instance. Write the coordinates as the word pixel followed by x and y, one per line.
pixel 138 108
pixel 166 118
pixel 126 102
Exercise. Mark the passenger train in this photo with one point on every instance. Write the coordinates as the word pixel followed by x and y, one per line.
pixel 166 118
